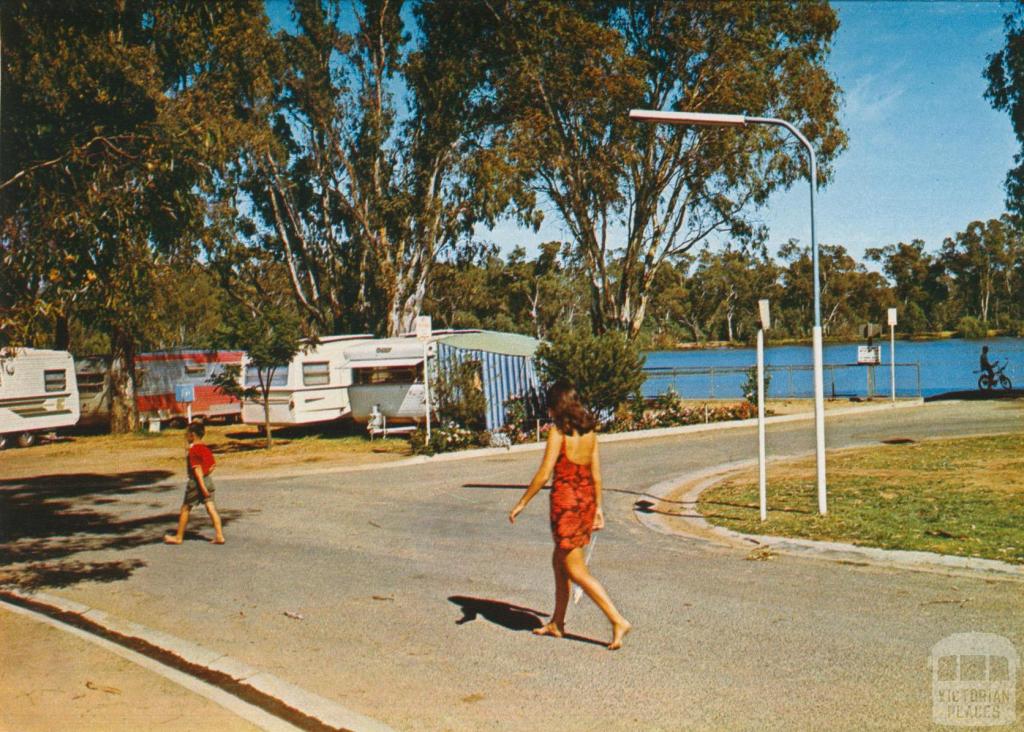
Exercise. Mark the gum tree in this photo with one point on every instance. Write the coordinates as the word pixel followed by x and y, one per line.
pixel 563 76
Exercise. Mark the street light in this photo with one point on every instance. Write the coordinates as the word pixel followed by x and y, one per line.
pixel 739 120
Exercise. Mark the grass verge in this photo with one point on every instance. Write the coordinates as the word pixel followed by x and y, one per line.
pixel 963 496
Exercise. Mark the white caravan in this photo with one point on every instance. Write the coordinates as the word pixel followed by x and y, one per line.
pixel 312 388
pixel 387 379
pixel 38 393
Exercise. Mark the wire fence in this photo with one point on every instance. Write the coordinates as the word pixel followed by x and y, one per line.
pixel 841 381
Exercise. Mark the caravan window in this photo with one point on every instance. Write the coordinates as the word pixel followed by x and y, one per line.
pixel 280 377
pixel 389 375
pixel 90 383
pixel 191 367
pixel 55 380
pixel 316 374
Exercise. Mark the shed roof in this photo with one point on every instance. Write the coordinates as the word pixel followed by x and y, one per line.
pixel 510 344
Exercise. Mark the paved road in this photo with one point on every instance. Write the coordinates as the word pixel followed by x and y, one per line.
pixel 416 595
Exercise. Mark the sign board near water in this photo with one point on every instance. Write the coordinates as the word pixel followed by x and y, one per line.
pixel 869 355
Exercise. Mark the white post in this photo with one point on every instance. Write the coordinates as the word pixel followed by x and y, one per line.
pixel 763 491
pixel 892 361
pixel 426 383
pixel 892 352
pixel 819 420
pixel 188 411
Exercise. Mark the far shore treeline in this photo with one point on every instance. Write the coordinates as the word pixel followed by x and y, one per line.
pixel 189 174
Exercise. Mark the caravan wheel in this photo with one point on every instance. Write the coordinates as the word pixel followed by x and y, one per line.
pixel 26 439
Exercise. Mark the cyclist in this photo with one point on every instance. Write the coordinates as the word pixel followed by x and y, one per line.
pixel 986 366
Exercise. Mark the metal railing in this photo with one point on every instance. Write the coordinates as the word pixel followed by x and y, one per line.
pixel 784 381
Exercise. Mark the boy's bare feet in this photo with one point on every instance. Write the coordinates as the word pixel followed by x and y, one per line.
pixel 217 540
pixel 171 539
pixel 550 629
pixel 619 631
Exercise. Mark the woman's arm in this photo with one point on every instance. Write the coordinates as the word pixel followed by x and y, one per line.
pixel 543 472
pixel 595 470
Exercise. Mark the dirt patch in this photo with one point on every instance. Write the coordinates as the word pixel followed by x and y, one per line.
pixel 239 450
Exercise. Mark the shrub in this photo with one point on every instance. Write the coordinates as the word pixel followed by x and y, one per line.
pixel 447 438
pixel 521 420
pixel 668 410
pixel 606 369
pixel 970 327
pixel 460 397
pixel 749 386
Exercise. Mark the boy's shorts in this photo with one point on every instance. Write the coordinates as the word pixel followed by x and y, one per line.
pixel 194 496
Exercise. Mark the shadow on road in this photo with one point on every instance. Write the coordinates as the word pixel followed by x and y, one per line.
pixel 507 615
pixel 498 612
pixel 47 519
pixel 977 395
pixel 523 486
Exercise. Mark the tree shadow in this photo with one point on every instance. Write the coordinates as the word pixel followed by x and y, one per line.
pixel 507 615
pixel 47 519
pixel 54 575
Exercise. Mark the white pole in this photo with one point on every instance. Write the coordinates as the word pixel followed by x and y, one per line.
pixel 189 412
pixel 892 360
pixel 763 492
pixel 819 420
pixel 426 384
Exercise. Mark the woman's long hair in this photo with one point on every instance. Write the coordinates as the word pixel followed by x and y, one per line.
pixel 567 411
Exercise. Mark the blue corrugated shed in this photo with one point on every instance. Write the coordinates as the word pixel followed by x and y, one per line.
pixel 506 364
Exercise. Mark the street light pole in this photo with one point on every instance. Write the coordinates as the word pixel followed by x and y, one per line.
pixel 739 120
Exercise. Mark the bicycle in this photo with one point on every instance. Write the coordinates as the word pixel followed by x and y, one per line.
pixel 998 377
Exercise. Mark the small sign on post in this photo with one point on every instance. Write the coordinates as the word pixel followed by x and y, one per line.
pixel 869 355
pixel 424 328
pixel 424 332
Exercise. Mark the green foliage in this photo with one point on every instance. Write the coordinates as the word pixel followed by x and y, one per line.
pixel 606 369
pixel 125 117
pixel 271 335
pixel 447 438
pixel 564 76
pixel 749 386
pixel 458 389
pixel 1005 76
pixel 971 327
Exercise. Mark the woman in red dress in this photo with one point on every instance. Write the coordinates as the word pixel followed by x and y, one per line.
pixel 572 456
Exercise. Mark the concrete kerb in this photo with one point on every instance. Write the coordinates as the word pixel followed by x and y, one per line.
pixel 700 529
pixel 327 713
pixel 605 438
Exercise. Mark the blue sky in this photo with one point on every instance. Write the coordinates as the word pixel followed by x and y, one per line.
pixel 927 153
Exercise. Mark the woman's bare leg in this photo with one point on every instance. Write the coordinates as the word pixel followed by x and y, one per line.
pixel 563 586
pixel 579 574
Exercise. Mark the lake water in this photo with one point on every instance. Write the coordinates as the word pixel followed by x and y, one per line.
pixel 922 368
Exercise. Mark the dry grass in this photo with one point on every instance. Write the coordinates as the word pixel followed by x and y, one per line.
pixel 963 496
pixel 239 449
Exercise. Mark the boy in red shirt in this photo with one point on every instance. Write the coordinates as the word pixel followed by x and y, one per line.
pixel 200 486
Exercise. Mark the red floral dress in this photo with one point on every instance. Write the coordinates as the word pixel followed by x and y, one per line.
pixel 572 503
